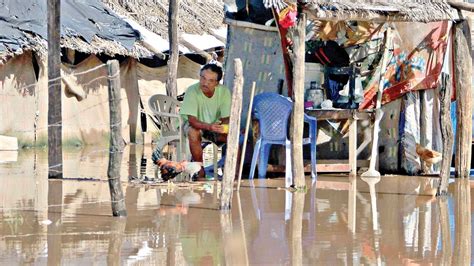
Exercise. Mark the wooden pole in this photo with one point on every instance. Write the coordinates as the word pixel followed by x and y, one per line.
pixel 171 83
pixel 297 116
pixel 116 140
pixel 462 77
pixel 446 132
pixel 55 160
pixel 246 134
pixel 233 137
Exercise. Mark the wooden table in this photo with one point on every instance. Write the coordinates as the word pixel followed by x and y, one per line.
pixel 352 115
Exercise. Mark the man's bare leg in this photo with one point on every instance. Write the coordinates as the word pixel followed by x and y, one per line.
pixel 195 140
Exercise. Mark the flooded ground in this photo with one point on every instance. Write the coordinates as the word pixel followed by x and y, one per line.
pixel 337 221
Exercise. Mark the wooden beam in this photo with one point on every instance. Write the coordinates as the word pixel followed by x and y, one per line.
pixel 341 114
pixel 250 25
pixel 220 38
pixel 171 82
pixel 463 85
pixel 231 158
pixel 462 6
pixel 116 140
pixel 376 18
pixel 55 160
pixel 297 115
pixel 157 52
pixel 196 49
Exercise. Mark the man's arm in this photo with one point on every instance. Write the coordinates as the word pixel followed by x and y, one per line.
pixel 195 123
pixel 225 120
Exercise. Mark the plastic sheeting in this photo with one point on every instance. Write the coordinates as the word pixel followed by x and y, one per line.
pixel 84 19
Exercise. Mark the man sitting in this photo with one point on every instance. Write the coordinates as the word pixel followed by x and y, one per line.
pixel 205 111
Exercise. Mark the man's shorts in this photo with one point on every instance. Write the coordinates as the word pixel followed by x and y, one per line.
pixel 205 134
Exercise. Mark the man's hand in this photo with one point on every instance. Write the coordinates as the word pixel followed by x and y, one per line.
pixel 217 128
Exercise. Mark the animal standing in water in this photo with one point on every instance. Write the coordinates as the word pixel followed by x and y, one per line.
pixel 428 157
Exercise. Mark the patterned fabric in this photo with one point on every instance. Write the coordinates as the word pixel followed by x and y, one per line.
pixel 415 64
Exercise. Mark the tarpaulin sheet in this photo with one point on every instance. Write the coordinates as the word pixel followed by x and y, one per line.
pixel 415 63
pixel 84 19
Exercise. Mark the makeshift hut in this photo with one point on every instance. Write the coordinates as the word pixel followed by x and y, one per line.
pixel 420 51
pixel 91 34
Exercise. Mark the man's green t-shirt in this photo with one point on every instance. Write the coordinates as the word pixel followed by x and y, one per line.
pixel 207 110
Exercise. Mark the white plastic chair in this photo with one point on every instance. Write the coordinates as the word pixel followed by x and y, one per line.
pixel 166 117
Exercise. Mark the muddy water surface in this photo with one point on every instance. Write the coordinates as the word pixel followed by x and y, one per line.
pixel 337 221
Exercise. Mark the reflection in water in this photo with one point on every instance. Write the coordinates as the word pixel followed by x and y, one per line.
pixel 462 214
pixel 338 221
pixel 372 181
pixel 296 228
pixel 54 236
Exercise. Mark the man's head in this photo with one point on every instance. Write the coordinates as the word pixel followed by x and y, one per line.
pixel 210 74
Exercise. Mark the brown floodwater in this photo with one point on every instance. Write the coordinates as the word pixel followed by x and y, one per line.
pixel 394 220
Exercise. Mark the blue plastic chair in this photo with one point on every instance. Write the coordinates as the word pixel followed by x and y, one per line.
pixel 273 112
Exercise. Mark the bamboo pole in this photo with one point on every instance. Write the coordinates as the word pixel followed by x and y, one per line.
pixel 297 116
pixel 55 161
pixel 116 140
pixel 463 85
pixel 446 132
pixel 233 137
pixel 246 134
pixel 171 83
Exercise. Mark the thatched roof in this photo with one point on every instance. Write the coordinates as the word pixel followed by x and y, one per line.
pixel 377 10
pixel 195 17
